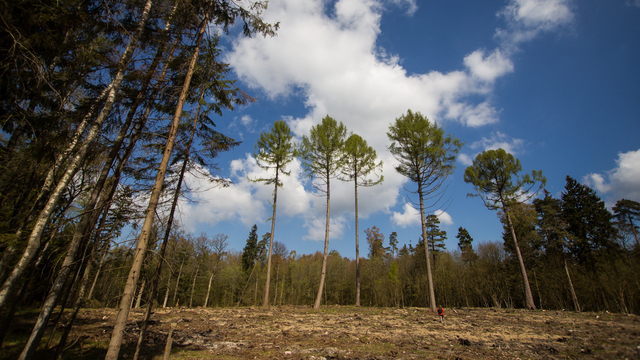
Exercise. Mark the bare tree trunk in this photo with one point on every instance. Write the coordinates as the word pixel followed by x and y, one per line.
pixel 34 241
pixel 527 289
pixel 316 305
pixel 165 240
pixel 139 299
pixel 166 294
pixel 573 291
pixel 23 290
pixel 175 290
pixel 206 300
pixel 432 295
pixel 193 287
pixel 265 302
pixel 357 247
pixel 123 313
pixel 247 284
pixel 100 264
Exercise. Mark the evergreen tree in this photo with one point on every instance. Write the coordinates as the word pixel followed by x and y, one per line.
pixel 426 156
pixel 496 180
pixel 465 244
pixel 588 221
pixel 393 243
pixel 435 236
pixel 274 151
pixel 322 158
pixel 627 214
pixel 250 251
pixel 359 162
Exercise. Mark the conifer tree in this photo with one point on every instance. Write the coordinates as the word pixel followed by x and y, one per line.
pixel 274 151
pixel 426 156
pixel 359 162
pixel 496 180
pixel 321 153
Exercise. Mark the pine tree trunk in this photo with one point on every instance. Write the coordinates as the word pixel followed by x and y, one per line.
pixel 316 305
pixel 573 291
pixel 527 289
pixel 432 296
pixel 265 302
pixel 139 299
pixel 357 247
pixel 123 313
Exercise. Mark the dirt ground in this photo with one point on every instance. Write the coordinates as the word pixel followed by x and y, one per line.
pixel 344 332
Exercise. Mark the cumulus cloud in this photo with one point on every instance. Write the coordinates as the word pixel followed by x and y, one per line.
pixel 620 182
pixel 488 68
pixel 330 57
pixel 444 217
pixel 408 217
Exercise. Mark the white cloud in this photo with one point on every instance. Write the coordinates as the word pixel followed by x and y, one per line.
pixel 331 58
pixel 444 217
pixel 409 217
pixel 499 140
pixel 411 5
pixel 620 182
pixel 465 159
pixel 247 121
pixel 527 18
pixel 488 68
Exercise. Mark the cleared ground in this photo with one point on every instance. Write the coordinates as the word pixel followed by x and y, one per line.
pixel 343 332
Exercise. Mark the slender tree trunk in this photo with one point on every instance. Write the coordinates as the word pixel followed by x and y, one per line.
pixel 206 300
pixel 4 329
pixel 357 246
pixel 175 290
pixel 573 291
pixel 265 302
pixel 527 289
pixel 34 241
pixel 193 287
pixel 166 294
pixel 123 313
pixel 78 303
pixel 432 295
pixel 139 299
pixel 316 305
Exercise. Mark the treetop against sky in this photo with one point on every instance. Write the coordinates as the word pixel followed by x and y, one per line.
pixel 553 82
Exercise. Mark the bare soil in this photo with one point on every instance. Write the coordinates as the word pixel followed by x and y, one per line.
pixel 344 332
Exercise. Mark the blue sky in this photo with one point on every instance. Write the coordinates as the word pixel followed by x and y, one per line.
pixel 554 82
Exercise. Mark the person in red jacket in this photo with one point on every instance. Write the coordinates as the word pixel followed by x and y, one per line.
pixel 441 314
